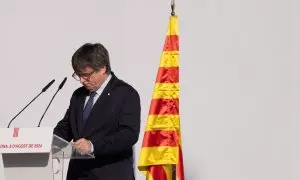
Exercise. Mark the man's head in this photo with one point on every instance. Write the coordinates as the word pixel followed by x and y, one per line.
pixel 91 65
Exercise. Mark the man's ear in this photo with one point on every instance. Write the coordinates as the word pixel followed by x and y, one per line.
pixel 103 70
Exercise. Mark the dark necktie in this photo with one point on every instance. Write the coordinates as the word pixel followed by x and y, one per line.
pixel 88 107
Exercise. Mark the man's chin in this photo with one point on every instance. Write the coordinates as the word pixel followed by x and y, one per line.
pixel 89 88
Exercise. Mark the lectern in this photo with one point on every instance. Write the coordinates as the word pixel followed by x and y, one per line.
pixel 34 154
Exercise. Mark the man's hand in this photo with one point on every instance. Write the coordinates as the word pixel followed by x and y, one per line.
pixel 83 146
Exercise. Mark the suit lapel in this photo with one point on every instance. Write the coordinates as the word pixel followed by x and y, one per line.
pixel 80 105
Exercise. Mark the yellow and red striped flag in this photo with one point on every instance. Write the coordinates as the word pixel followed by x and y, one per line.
pixel 161 152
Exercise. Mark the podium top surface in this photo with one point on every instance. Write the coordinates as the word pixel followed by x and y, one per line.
pixel 26 140
pixel 38 140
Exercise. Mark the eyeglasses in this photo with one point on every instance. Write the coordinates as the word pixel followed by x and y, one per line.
pixel 86 76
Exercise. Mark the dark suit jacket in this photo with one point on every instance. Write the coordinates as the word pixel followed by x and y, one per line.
pixel 113 127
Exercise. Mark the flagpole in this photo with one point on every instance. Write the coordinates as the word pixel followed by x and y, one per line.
pixel 174 172
pixel 173 166
pixel 173 7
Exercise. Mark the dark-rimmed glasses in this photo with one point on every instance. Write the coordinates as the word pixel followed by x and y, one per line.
pixel 85 76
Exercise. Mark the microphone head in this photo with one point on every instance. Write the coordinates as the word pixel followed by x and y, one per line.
pixel 48 85
pixel 62 83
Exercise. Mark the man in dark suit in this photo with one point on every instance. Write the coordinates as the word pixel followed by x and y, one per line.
pixel 103 118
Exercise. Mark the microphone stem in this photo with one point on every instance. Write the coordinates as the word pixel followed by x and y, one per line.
pixel 24 109
pixel 47 108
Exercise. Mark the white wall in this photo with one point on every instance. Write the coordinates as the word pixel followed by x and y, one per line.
pixel 240 78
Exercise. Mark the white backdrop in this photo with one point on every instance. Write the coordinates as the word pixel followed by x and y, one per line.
pixel 240 78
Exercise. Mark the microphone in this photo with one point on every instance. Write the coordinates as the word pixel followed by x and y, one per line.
pixel 43 90
pixel 62 83
pixel 59 88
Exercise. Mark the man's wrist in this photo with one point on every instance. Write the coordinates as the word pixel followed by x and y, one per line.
pixel 91 147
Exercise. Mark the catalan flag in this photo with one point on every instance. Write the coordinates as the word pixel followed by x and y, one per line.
pixel 161 153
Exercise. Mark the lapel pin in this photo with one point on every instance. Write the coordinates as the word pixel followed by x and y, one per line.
pixel 108 94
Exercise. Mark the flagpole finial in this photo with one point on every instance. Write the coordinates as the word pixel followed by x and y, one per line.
pixel 173 7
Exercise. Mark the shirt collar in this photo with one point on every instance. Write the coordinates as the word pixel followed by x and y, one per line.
pixel 103 85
